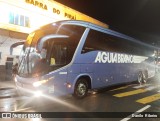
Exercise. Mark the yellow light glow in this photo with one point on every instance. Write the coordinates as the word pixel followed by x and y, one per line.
pixel 5 14
pixel 5 17
pixel 38 16
pixel 39 83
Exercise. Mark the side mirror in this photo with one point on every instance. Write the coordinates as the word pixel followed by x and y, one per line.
pixel 46 38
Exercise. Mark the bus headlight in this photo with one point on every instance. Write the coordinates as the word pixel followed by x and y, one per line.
pixel 15 79
pixel 39 83
pixel 37 93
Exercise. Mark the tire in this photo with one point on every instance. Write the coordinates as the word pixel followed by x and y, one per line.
pixel 142 78
pixel 145 76
pixel 81 88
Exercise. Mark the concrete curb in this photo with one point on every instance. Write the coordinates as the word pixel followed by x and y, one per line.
pixel 7 84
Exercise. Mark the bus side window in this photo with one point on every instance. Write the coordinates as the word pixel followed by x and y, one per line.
pixel 53 56
pixel 99 41
pixel 58 54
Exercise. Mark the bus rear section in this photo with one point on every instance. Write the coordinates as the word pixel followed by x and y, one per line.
pixel 117 58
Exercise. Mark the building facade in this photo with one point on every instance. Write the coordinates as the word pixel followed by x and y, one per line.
pixel 20 17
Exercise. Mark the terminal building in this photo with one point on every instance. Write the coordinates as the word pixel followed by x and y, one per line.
pixel 20 17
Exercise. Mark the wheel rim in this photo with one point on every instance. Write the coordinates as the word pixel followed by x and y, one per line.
pixel 140 78
pixel 81 89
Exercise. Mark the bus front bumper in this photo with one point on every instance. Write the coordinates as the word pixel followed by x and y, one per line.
pixel 30 90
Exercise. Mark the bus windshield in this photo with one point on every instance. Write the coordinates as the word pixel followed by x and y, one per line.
pixel 55 52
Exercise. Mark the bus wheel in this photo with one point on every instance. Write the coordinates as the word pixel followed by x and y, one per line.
pixel 81 88
pixel 140 77
pixel 145 76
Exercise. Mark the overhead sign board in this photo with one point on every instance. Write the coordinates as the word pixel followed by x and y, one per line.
pixel 28 15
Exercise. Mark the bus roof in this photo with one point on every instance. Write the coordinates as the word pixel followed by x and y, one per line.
pixel 102 29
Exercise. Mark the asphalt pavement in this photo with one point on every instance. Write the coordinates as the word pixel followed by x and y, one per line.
pixel 7 88
pixel 6 84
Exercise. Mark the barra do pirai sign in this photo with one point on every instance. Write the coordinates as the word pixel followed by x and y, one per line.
pixel 62 11
pixel 55 8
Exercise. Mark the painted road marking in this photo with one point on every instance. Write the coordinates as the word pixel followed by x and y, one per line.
pixel 124 94
pixel 149 99
pixel 120 88
pixel 140 86
pixel 137 87
pixel 137 91
pixel 136 113
pixel 150 88
pixel 124 87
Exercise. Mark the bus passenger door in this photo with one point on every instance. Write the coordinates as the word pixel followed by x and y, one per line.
pixel 57 83
pixel 58 75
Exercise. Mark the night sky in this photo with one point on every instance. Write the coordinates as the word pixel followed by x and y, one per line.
pixel 137 18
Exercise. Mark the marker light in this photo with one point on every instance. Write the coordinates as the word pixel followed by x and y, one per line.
pixel 68 85
pixel 39 83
